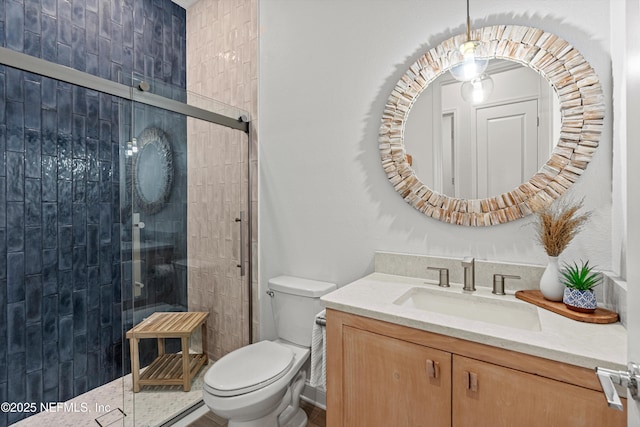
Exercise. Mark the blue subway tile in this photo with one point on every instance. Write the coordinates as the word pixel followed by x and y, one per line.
pixel 49 38
pixel 15 176
pixel 49 271
pixel 15 25
pixel 65 156
pixel 79 224
pixel 79 267
pixel 32 103
pixel 79 110
pixel 65 201
pixel 93 330
pixel 34 387
pixel 33 202
pixel 33 250
pixel 78 13
pixel 105 265
pixel 105 224
pixel 65 338
pixel 49 225
pixel 106 299
pixel 91 30
pixel 3 203
pixel 33 159
pixel 65 258
pixel 93 244
pixel 50 322
pixel 78 56
pixel 15 277
pixel 16 322
pixel 34 347
pixel 80 312
pixel 65 293
pixel 65 384
pixel 64 106
pixel 15 125
pixel 49 94
pixel 105 182
pixel 34 298
pixel 64 28
pixel 93 288
pixel 32 44
pixel 16 380
pixel 15 84
pixel 50 131
pixel 80 384
pixel 104 60
pixel 105 140
pixel 15 226
pixel 93 365
pixel 32 16
pixel 50 363
pixel 64 54
pixel 116 43
pixel 49 179
pixel 79 136
pixel 105 18
pixel 93 165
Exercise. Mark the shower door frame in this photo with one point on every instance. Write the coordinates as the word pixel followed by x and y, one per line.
pixel 69 75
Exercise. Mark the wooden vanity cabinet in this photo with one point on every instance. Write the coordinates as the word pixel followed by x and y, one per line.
pixel 382 374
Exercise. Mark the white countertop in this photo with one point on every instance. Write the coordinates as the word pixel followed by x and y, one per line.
pixel 560 338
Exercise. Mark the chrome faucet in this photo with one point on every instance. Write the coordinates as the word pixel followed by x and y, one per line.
pixel 469 276
pixel 498 282
pixel 443 276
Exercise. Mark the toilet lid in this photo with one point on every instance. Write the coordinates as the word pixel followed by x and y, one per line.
pixel 248 368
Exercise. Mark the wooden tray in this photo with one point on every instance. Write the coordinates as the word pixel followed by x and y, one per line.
pixel 601 315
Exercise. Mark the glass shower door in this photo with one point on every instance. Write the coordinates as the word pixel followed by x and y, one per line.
pixel 184 192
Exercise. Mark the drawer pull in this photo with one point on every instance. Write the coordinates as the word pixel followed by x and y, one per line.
pixel 433 369
pixel 472 381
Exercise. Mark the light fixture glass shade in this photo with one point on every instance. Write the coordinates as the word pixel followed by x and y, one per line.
pixel 477 90
pixel 469 61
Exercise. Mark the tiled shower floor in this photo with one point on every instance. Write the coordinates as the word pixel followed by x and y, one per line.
pixel 152 406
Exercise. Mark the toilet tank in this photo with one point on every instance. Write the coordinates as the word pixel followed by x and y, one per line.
pixel 295 302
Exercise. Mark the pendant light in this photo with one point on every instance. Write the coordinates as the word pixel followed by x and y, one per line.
pixel 477 90
pixel 470 58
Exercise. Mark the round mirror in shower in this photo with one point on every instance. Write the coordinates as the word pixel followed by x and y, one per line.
pixel 152 170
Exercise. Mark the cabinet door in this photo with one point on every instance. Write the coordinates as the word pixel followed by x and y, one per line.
pixel 494 396
pixel 390 382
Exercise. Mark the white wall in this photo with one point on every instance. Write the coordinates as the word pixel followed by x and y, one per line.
pixel 326 70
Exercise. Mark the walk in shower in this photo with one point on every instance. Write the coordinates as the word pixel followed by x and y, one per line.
pixel 118 200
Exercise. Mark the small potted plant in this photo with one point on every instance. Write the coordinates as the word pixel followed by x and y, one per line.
pixel 579 281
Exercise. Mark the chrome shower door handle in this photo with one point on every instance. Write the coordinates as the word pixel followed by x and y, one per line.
pixel 241 221
pixel 610 393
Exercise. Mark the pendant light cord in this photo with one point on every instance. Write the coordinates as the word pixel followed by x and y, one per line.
pixel 468 23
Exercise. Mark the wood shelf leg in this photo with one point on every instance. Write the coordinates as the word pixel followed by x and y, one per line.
pixel 186 373
pixel 135 364
pixel 160 346
pixel 204 343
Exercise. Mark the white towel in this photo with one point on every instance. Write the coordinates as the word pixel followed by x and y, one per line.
pixel 318 377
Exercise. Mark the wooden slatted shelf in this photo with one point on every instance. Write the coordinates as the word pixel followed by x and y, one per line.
pixel 167 369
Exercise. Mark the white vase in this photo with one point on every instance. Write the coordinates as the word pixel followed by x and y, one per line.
pixel 550 284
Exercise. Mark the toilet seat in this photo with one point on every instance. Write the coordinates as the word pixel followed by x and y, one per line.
pixel 248 368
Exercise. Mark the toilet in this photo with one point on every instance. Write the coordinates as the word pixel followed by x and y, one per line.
pixel 259 385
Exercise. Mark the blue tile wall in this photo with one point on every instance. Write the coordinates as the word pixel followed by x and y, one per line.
pixel 60 260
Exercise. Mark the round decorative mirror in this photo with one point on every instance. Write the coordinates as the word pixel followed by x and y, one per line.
pixel 152 170
pixel 464 174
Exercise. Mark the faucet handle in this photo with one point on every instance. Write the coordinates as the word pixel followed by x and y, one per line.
pixel 498 282
pixel 444 276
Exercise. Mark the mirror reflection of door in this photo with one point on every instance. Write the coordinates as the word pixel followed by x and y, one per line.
pixel 507 146
pixel 486 149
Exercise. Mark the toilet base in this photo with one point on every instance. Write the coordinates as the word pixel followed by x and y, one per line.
pixel 299 419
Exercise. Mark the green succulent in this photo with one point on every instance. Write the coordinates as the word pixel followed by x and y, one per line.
pixel 581 277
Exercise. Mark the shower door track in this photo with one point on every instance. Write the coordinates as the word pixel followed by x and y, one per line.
pixel 65 74
pixel 48 69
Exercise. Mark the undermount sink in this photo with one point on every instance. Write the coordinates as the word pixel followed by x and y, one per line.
pixel 509 313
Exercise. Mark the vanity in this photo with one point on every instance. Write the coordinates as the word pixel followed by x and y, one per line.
pixel 401 351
